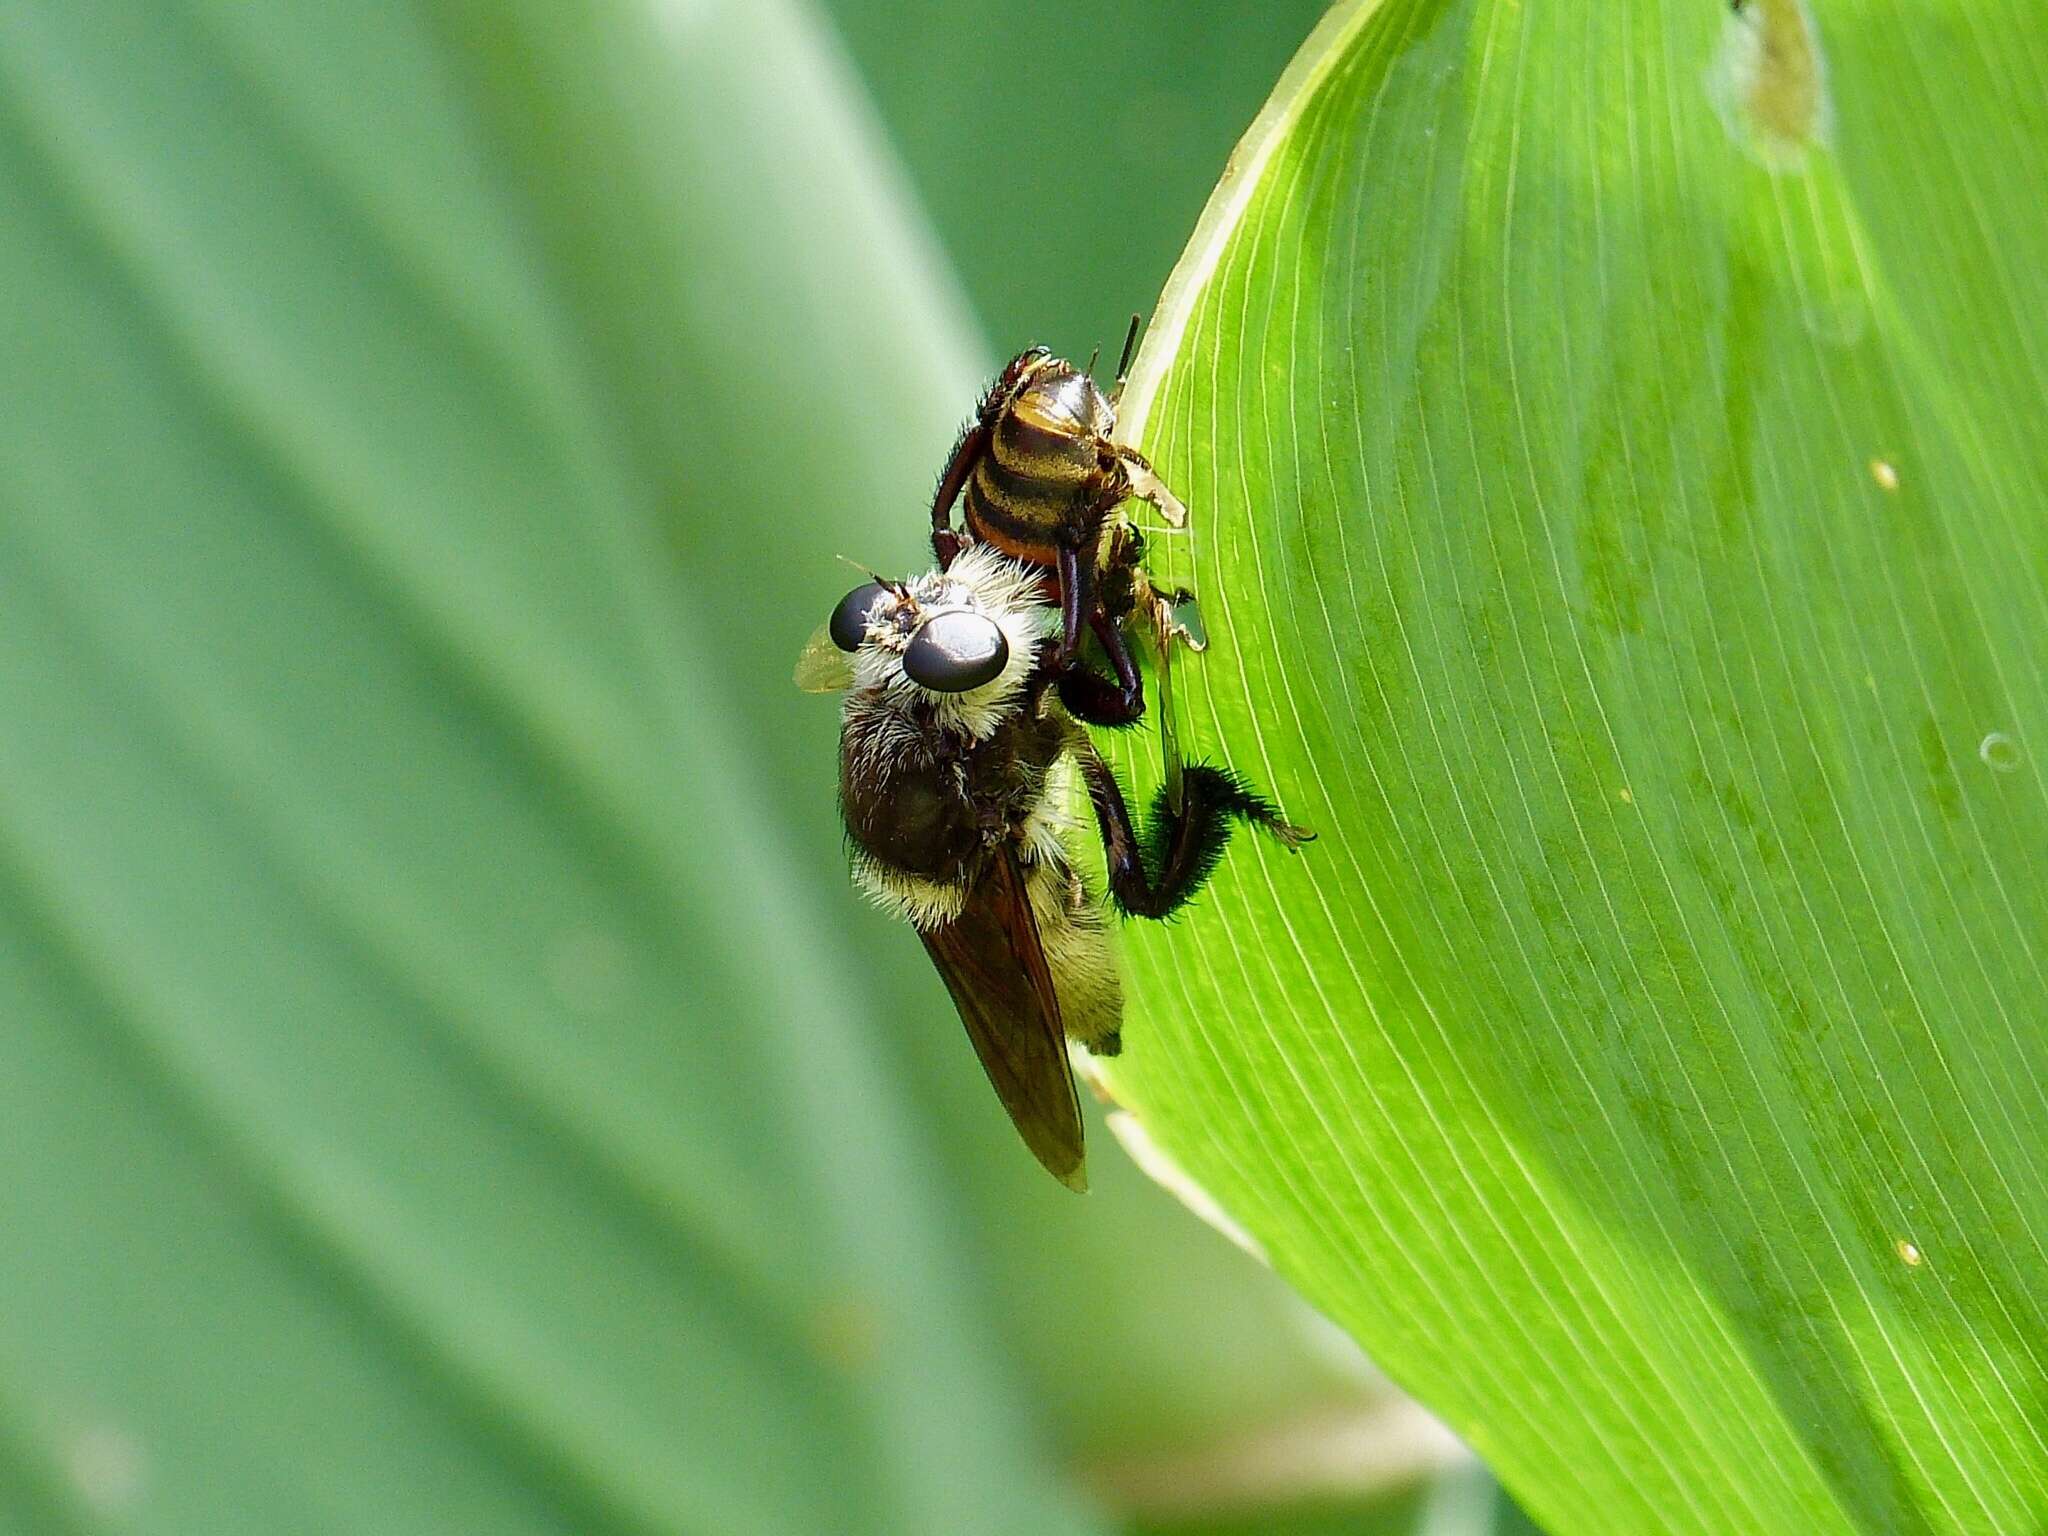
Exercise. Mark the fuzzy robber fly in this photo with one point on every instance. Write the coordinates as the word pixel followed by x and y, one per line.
pixel 959 769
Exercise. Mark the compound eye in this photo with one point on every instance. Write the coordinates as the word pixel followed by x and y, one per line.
pixel 850 619
pixel 955 651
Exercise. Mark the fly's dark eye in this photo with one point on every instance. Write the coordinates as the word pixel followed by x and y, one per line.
pixel 953 652
pixel 850 618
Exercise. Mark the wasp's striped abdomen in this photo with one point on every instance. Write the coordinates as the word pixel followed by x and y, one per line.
pixel 1046 474
pixel 1039 475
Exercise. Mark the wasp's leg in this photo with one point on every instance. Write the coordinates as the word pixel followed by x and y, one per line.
pixel 1177 618
pixel 973 439
pixel 1154 872
pixel 1167 630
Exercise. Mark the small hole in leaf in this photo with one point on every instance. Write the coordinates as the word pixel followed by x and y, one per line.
pixel 2001 754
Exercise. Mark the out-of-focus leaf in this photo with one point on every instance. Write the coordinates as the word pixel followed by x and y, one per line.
pixel 781 420
pixel 1618 498
pixel 436 1099
pixel 1463 1500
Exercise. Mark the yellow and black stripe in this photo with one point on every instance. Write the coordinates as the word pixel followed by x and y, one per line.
pixel 1043 474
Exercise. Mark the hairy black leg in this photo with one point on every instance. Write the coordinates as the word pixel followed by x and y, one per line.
pixel 1154 871
pixel 1090 696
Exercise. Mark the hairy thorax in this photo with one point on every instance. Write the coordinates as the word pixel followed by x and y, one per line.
pixel 928 802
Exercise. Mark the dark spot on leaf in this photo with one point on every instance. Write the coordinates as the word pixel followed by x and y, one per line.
pixel 1943 788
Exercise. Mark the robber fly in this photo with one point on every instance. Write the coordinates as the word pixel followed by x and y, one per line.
pixel 957 770
pixel 1038 474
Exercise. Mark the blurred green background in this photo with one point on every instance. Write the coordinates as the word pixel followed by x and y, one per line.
pixel 1062 152
pixel 450 1083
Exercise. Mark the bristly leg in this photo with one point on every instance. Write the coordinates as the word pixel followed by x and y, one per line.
pixel 1154 872
pixel 1090 696
pixel 968 447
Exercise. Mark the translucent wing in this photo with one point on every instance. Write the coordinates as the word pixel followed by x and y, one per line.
pixel 1147 486
pixel 1175 621
pixel 995 967
pixel 823 667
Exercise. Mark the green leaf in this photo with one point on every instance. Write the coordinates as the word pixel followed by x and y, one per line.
pixel 437 1096
pixel 808 375
pixel 1612 441
pixel 1175 1343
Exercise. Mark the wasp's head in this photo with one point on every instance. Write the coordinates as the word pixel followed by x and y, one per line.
pixel 963 640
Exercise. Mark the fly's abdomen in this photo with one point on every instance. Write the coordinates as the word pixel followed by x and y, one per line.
pixel 1042 476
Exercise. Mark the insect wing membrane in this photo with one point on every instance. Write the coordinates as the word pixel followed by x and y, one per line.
pixel 823 667
pixel 1169 722
pixel 994 965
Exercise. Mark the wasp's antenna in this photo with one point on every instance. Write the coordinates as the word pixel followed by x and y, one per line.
pixel 1092 357
pixel 1123 364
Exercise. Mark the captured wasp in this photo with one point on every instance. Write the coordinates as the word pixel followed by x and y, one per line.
pixel 957 767
pixel 1038 474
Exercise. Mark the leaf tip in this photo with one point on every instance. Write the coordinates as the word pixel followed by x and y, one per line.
pixel 1159 1165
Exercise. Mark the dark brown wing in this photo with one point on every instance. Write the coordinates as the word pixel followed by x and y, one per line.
pixel 995 967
